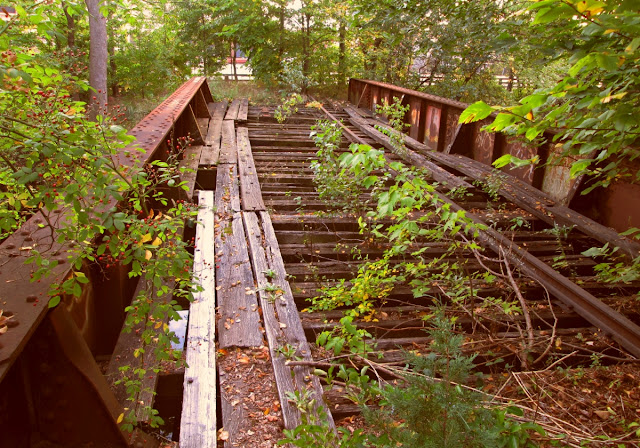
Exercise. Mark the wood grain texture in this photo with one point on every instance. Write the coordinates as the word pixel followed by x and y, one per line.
pixel 250 192
pixel 243 112
pixel 211 151
pixel 227 191
pixel 281 320
pixel 190 162
pixel 198 421
pixel 228 149
pixel 203 125
pixel 234 108
pixel 239 323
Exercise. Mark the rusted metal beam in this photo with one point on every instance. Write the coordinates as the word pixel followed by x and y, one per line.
pixel 617 326
pixel 27 301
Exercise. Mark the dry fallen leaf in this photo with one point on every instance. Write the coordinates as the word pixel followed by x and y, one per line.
pixel 223 435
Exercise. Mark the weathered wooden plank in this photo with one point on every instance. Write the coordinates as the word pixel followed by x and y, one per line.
pixel 228 149
pixel 190 163
pixel 232 113
pixel 198 422
pixel 243 111
pixel 239 323
pixel 281 320
pixel 251 194
pixel 203 125
pixel 227 192
pixel 218 109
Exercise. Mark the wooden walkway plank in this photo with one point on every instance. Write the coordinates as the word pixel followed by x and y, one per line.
pixel 243 112
pixel 190 163
pixel 203 125
pixel 234 108
pixel 218 109
pixel 227 192
pixel 212 142
pixel 198 422
pixel 228 149
pixel 251 194
pixel 239 324
pixel 281 320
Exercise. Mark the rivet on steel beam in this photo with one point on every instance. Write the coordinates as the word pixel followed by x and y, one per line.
pixel 24 232
pixel 31 299
pixel 12 323
pixel 10 246
pixel 28 238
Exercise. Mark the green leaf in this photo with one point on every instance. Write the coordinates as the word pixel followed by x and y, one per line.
pixel 475 112
pixel 557 11
pixel 54 301
pixel 502 121
pixel 579 166
pixel 502 161
pixel 607 62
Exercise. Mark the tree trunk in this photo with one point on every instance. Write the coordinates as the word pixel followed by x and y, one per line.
pixel 98 58
pixel 283 5
pixel 71 27
pixel 342 32
pixel 306 26
pixel 233 60
pixel 510 84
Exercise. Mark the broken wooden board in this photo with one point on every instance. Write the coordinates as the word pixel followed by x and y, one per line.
pixel 239 324
pixel 228 150
pixel 227 192
pixel 243 112
pixel 251 194
pixel 281 319
pixel 198 421
pixel 234 108
pixel 190 164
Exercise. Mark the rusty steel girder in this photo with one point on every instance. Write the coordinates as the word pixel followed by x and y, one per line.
pixel 77 325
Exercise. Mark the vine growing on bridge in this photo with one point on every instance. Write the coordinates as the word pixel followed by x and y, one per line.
pixel 101 207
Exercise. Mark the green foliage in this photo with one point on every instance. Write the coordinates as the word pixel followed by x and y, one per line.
pixel 288 107
pixel 346 336
pixel 337 185
pixel 433 410
pixel 53 160
pixel 395 113
pixel 314 432
pixel 591 110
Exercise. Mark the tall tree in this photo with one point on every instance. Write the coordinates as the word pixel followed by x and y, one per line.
pixel 98 57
